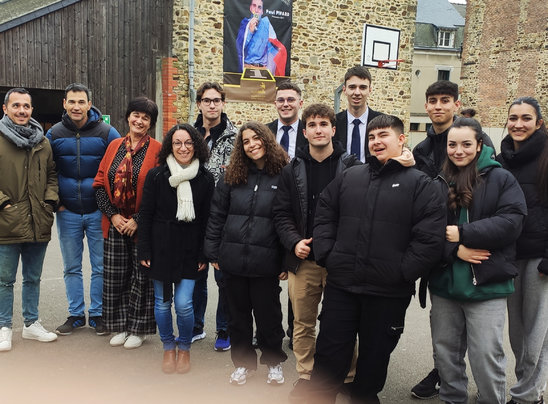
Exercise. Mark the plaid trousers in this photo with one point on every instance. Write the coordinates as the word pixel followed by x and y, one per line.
pixel 128 295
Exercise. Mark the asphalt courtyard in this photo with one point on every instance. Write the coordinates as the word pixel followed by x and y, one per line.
pixel 83 368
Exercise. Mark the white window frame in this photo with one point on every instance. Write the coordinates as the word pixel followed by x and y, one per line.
pixel 446 38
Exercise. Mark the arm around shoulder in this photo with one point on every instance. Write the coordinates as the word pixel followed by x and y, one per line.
pixel 428 230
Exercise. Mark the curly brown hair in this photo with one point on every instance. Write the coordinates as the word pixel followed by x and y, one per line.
pixel 201 152
pixel 275 156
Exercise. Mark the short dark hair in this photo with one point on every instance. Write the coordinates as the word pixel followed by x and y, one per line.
pixel 77 87
pixel 321 110
pixel 443 87
pixel 145 105
pixel 359 71
pixel 288 85
pixel 386 121
pixel 201 151
pixel 18 90
pixel 207 86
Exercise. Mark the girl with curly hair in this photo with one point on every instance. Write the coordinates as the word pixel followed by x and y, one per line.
pixel 242 243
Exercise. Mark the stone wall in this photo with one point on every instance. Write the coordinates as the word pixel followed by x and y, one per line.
pixel 505 56
pixel 327 37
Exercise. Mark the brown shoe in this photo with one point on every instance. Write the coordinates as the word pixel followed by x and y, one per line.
pixel 183 361
pixel 169 364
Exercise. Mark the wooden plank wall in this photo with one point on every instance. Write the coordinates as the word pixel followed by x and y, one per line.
pixel 110 45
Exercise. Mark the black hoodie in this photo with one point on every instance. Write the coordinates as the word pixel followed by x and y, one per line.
pixel 299 189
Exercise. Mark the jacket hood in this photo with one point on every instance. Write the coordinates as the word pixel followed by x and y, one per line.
pixel 94 117
pixel 487 159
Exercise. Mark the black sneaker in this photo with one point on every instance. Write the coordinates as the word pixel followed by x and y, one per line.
pixel 300 392
pixel 71 323
pixel 97 323
pixel 428 387
pixel 222 343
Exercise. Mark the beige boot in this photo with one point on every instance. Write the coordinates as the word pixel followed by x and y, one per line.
pixel 169 364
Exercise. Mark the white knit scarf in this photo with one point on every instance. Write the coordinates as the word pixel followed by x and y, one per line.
pixel 179 179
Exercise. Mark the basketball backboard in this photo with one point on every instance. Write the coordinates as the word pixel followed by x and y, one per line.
pixel 380 44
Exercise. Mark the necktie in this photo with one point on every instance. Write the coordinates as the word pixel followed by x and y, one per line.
pixel 355 145
pixel 284 141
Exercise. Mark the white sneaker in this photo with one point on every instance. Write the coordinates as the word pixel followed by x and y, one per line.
pixel 198 337
pixel 134 341
pixel 275 374
pixel 239 376
pixel 5 339
pixel 119 339
pixel 37 332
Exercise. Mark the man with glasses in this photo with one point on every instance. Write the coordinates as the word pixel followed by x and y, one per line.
pixel 219 134
pixel 288 128
pixel 351 124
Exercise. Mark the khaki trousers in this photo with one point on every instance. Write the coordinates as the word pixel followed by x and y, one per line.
pixel 305 291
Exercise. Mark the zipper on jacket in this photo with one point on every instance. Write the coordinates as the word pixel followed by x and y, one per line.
pixel 304 211
pixel 79 182
pixel 474 280
pixel 251 217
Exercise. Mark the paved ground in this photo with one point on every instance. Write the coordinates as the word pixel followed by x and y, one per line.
pixel 83 368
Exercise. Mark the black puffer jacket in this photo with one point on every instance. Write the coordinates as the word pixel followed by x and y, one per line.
pixel 173 247
pixel 291 208
pixel 379 228
pixel 240 233
pixel 494 223
pixel 523 164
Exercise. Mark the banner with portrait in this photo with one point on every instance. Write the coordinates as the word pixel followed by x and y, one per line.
pixel 256 48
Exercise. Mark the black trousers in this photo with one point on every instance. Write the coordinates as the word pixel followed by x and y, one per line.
pixel 260 296
pixel 378 321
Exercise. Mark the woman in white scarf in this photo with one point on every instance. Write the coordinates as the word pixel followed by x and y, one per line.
pixel 173 216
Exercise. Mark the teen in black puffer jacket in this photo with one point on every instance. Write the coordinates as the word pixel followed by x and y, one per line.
pixel 242 243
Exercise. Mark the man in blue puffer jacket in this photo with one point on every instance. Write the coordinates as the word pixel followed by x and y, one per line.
pixel 79 142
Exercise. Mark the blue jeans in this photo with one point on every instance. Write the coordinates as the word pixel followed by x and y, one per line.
pixel 32 257
pixel 71 228
pixel 200 302
pixel 182 298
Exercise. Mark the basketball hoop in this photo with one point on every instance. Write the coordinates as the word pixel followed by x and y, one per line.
pixel 381 63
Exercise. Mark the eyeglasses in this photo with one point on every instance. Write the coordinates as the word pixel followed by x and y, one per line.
pixel 282 101
pixel 189 144
pixel 215 101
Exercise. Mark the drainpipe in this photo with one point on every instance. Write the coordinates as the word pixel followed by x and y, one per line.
pixel 192 91
pixel 337 98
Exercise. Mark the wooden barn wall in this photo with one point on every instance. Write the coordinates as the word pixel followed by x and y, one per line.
pixel 111 46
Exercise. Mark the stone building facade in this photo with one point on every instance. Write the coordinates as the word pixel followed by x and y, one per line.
pixel 326 41
pixel 505 56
